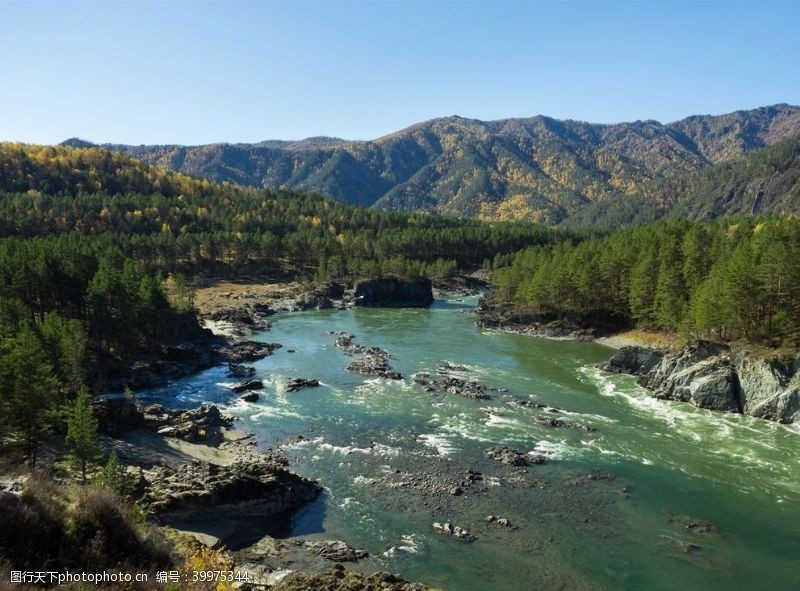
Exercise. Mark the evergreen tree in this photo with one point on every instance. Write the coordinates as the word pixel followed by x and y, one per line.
pixel 31 388
pixel 82 431
pixel 644 279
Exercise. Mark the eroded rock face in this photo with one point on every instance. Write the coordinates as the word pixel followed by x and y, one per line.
pixel 711 375
pixel 633 360
pixel 394 293
pixel 769 390
pixel 257 486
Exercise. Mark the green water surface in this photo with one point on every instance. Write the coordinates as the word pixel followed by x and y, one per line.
pixel 667 470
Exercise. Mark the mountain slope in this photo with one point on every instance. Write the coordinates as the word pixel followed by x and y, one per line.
pixel 538 168
pixel 759 182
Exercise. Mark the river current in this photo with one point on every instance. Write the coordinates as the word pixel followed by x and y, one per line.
pixel 661 495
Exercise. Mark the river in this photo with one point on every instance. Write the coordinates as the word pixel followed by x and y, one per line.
pixel 661 495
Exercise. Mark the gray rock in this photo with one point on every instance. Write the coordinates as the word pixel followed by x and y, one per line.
pixel 374 362
pixel 259 486
pixel 246 386
pixel 770 389
pixel 300 383
pixel 633 360
pixel 455 531
pixel 702 374
pixel 336 551
pixel 508 456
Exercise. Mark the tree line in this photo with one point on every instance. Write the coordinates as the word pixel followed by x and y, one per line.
pixel 735 278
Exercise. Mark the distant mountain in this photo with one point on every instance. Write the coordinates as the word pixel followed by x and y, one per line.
pixel 538 168
pixel 762 181
pixel 765 181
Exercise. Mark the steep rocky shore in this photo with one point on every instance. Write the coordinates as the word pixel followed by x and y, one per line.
pixel 718 377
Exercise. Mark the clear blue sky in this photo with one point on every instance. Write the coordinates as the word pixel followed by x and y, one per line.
pixel 196 71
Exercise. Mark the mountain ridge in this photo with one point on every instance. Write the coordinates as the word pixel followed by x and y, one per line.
pixel 536 168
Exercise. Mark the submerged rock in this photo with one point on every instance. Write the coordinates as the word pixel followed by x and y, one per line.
pixel 455 531
pixel 554 423
pixel 501 521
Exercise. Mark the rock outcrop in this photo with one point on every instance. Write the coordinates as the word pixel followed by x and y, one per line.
pixel 336 551
pixel 257 486
pixel 390 292
pixel 712 375
pixel 198 425
pixel 633 360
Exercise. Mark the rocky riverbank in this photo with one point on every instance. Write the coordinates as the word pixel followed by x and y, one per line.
pixel 201 350
pixel 493 315
pixel 718 377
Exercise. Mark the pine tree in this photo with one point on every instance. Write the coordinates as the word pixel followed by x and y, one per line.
pixel 82 432
pixel 32 390
pixel 643 287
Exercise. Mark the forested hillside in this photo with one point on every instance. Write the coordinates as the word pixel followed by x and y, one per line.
pixel 539 169
pixel 735 278
pixel 94 247
pixel 763 181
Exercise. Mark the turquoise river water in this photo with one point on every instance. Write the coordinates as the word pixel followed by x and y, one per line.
pixel 661 495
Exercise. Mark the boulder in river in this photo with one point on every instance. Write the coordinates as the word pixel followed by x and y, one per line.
pixel 555 423
pixel 508 456
pixel 374 362
pixel 455 531
pixel 394 293
pixel 250 397
pixel 246 386
pixel 300 383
